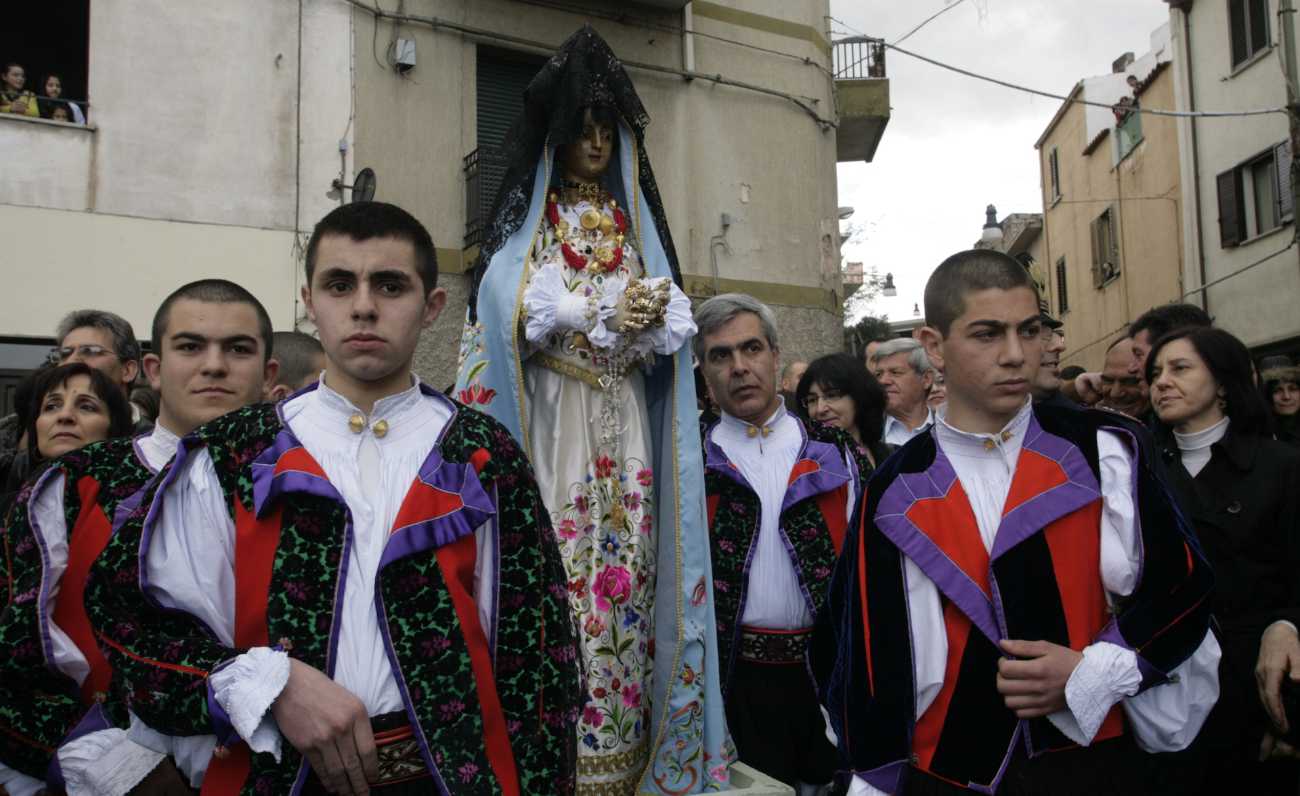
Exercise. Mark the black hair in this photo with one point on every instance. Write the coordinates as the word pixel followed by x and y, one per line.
pixel 847 374
pixel 363 221
pixel 1072 372
pixel 211 291
pixel 1159 321
pixel 119 409
pixel 1228 361
pixel 296 353
pixel 969 272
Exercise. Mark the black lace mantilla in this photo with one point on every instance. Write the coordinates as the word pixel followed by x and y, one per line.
pixel 583 73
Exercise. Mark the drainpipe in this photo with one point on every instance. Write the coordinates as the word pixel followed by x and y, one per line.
pixel 1285 16
pixel 688 40
pixel 1196 162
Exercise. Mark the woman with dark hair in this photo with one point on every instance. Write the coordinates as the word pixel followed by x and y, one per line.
pixel 1240 489
pixel 73 406
pixel 837 390
pixel 51 100
pixel 63 408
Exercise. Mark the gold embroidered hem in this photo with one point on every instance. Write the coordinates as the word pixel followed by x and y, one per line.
pixel 601 774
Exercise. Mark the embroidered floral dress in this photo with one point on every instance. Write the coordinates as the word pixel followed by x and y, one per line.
pixel 589 438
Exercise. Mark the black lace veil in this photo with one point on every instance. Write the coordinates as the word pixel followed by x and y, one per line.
pixel 583 73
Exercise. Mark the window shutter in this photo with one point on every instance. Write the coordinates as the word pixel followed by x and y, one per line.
pixel 1230 211
pixel 1285 195
pixel 1112 230
pixel 1095 229
pixel 1062 295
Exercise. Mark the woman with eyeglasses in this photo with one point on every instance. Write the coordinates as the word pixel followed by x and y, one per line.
pixel 837 390
pixel 1240 488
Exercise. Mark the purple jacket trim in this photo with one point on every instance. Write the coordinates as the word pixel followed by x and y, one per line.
pixel 43 602
pixel 93 721
pixel 222 726
pixel 891 518
pixel 434 532
pixel 1150 674
pixel 183 452
pixel 715 459
pixel 1079 490
pixel 425 751
pixel 886 778
pixel 268 485
pixel 831 474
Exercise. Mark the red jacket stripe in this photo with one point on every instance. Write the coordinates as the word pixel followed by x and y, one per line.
pixel 86 541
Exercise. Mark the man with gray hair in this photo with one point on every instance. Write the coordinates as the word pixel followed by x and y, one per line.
pixel 905 372
pixel 103 340
pixel 785 493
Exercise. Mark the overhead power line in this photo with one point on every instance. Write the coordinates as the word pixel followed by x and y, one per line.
pixel 1079 101
pixel 804 103
pixel 927 21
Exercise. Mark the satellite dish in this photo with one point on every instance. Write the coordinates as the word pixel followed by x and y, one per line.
pixel 363 190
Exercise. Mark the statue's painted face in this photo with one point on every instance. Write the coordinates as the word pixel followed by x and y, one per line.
pixel 587 158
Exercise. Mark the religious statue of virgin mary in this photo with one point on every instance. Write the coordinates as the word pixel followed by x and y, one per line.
pixel 577 340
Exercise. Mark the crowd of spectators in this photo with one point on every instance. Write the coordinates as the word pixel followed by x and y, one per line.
pixel 16 98
pixel 1224 427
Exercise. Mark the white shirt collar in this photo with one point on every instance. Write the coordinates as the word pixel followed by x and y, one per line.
pixel 1007 441
pixel 337 410
pixel 157 447
pixel 891 421
pixel 743 427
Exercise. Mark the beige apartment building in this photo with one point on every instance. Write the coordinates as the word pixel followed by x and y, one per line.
pixel 218 133
pixel 1112 203
pixel 1238 199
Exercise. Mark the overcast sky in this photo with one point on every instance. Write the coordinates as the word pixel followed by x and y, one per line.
pixel 953 144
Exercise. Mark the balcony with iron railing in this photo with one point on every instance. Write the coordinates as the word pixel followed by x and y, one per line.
pixel 484 169
pixel 861 96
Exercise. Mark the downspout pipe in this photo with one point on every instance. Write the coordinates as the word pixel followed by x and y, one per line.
pixel 1196 159
pixel 688 41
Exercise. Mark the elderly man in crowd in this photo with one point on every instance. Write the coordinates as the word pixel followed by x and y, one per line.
pixel 779 496
pixel 104 341
pixel 1122 388
pixel 905 372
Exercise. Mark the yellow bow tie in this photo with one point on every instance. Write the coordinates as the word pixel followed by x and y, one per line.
pixel 754 431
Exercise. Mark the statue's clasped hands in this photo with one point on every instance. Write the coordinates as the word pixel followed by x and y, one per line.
pixel 642 306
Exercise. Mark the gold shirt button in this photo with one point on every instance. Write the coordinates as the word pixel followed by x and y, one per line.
pixel 356 424
pixel 380 429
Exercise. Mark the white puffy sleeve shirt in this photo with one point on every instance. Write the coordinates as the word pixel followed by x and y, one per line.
pixel 765 459
pixel 1165 718
pixel 190 560
pixel 103 762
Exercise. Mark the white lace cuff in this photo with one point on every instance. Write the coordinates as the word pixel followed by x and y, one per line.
pixel 1107 674
pixel 245 689
pixel 601 335
pixel 550 306
pixel 679 324
pixel 105 763
pixel 16 783
pixel 191 753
